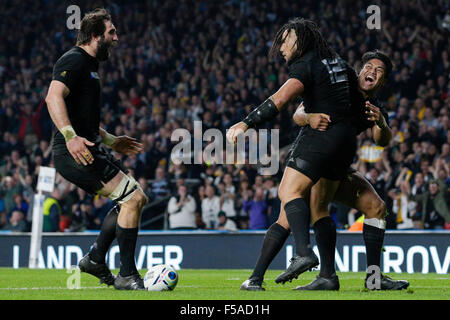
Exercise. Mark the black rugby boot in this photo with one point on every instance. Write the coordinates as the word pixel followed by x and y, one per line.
pixel 298 266
pixel 322 283
pixel 99 270
pixel 253 284
pixel 387 283
pixel 132 282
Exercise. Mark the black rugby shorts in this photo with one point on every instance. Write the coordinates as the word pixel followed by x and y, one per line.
pixel 326 154
pixel 90 177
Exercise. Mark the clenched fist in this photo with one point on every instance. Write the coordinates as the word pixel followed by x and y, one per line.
pixel 236 130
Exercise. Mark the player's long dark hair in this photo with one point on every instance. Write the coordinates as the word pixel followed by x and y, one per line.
pixel 93 23
pixel 308 37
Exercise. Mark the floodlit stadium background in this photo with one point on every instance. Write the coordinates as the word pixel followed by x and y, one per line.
pixel 183 61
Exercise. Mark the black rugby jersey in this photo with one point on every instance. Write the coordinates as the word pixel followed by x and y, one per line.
pixel 326 85
pixel 79 72
pixel 358 106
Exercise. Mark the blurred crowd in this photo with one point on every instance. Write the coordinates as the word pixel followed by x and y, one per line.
pixel 183 61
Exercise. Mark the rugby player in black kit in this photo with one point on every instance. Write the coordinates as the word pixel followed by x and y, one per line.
pixel 321 77
pixel 74 103
pixel 353 191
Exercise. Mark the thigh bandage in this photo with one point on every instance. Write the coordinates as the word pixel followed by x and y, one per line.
pixel 125 190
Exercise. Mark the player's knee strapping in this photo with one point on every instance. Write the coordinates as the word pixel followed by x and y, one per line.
pixel 125 190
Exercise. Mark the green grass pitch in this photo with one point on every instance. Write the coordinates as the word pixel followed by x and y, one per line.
pixel 18 284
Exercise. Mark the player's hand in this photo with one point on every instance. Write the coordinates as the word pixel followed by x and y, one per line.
pixel 79 151
pixel 318 121
pixel 374 114
pixel 127 145
pixel 235 131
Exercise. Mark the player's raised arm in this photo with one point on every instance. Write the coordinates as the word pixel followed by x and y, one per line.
pixel 382 134
pixel 58 112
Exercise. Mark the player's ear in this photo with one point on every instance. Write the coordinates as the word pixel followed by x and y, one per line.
pixel 95 38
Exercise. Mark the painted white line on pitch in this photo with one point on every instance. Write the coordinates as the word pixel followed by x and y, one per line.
pixel 52 288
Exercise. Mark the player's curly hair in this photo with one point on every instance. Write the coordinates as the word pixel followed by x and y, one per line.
pixel 308 37
pixel 376 54
pixel 93 23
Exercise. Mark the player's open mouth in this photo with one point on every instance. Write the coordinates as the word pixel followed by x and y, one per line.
pixel 369 79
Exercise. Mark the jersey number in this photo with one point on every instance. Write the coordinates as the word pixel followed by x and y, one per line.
pixel 336 70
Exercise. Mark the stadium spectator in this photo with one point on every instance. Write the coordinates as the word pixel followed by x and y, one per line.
pixel 160 186
pixel 17 222
pixel 199 196
pixel 168 73
pixel 19 204
pixel 210 208
pixel 272 200
pixel 402 207
pixel 227 198
pixel 257 210
pixel 101 207
pixel 8 189
pixel 435 211
pixel 418 187
pixel 52 212
pixel 181 209
pixel 29 130
pixel 225 223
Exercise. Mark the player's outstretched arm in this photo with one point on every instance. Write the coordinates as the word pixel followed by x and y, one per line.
pixel 267 110
pixel 58 112
pixel 382 134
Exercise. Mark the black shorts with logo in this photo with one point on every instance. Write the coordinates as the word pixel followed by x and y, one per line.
pixel 90 177
pixel 326 154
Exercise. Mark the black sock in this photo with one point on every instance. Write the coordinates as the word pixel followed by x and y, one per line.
pixel 325 232
pixel 274 240
pixel 297 213
pixel 126 237
pixel 105 237
pixel 373 238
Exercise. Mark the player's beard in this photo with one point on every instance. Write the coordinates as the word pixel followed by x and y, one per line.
pixel 103 48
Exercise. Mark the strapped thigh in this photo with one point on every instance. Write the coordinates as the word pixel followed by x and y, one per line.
pixel 125 190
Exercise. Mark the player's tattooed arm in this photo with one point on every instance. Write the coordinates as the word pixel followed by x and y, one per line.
pixel 317 121
pixel 382 134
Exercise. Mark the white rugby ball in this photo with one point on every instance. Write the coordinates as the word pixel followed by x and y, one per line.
pixel 161 277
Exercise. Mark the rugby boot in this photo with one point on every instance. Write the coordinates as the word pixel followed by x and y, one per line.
pixel 253 284
pixel 322 283
pixel 298 266
pixel 132 282
pixel 99 270
pixel 387 283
